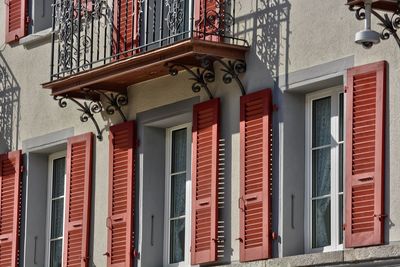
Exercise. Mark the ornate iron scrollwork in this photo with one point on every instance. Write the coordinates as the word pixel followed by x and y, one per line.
pixel 201 77
pixel 390 23
pixel 90 107
pixel 231 70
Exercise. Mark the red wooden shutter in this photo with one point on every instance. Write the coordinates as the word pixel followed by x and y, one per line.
pixel 209 22
pixel 78 198
pixel 255 175
pixel 10 203
pixel 121 194
pixel 126 27
pixel 15 20
pixel 205 181
pixel 365 133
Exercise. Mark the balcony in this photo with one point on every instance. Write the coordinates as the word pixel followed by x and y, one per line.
pixel 109 45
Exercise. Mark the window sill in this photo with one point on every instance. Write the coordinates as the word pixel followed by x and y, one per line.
pixel 374 254
pixel 36 37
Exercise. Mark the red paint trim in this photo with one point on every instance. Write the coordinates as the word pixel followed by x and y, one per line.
pixel 254 107
pixel 21 31
pixel 374 178
pixel 122 138
pixel 208 206
pixel 82 222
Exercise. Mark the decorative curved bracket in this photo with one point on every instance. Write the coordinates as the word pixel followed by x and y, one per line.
pixel 232 69
pixel 90 107
pixel 390 23
pixel 201 77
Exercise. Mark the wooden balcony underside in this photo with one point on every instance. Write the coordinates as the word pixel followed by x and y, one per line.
pixel 386 5
pixel 117 76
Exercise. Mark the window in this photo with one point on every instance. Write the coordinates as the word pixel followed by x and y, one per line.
pixel 177 201
pixel 41 14
pixel 55 210
pixel 324 170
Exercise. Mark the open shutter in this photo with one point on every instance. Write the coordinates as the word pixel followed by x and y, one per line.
pixel 209 16
pixel 205 181
pixel 10 201
pixel 78 198
pixel 365 133
pixel 126 27
pixel 122 141
pixel 255 175
pixel 15 20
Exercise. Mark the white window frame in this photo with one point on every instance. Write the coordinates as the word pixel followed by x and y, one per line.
pixel 334 93
pixel 52 157
pixel 167 202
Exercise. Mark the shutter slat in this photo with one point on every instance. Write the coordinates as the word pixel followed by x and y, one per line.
pixel 78 200
pixel 255 178
pixel 120 243
pixel 365 112
pixel 16 12
pixel 10 193
pixel 205 138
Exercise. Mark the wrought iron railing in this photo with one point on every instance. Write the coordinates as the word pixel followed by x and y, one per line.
pixel 91 33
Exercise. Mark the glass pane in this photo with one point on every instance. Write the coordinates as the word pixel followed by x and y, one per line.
pixel 321 172
pixel 178 192
pixel 57 214
pixel 341 168
pixel 177 240
pixel 321 122
pixel 321 222
pixel 56 253
pixel 58 177
pixel 341 116
pixel 340 219
pixel 178 156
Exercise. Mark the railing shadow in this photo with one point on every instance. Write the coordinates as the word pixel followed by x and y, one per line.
pixel 9 107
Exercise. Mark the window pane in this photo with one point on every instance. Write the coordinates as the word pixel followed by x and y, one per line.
pixel 321 222
pixel 321 122
pixel 178 191
pixel 341 116
pixel 178 156
pixel 177 240
pixel 58 177
pixel 341 168
pixel 57 214
pixel 340 219
pixel 56 253
pixel 321 172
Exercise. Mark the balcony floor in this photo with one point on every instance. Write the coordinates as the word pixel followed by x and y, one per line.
pixel 117 76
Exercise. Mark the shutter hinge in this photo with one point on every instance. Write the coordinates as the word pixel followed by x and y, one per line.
pixel 22 169
pixel 344 227
pixel 85 259
pixel 275 107
pixel 239 239
pixel 106 254
pixel 345 88
pixel 28 20
pixel 274 235
pixel 135 253
pixel 218 240
pixel 380 216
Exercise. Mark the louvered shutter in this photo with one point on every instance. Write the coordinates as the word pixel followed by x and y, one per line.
pixel 15 20
pixel 204 181
pixel 126 27
pixel 209 24
pixel 121 194
pixel 10 204
pixel 77 203
pixel 255 175
pixel 364 145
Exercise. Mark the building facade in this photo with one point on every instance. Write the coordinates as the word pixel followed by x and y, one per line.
pixel 196 132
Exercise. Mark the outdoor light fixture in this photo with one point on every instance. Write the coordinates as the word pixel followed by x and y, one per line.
pixel 390 22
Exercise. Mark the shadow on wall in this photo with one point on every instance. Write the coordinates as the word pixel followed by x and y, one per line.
pixel 9 108
pixel 267 25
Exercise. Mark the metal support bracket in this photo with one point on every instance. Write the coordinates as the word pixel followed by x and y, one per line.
pixel 389 23
pixel 205 74
pixel 201 76
pixel 92 105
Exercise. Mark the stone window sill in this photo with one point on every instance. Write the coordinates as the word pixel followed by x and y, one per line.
pixel 36 37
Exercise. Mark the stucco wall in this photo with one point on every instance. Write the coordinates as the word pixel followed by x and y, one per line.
pixel 286 36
